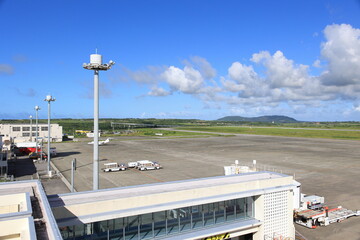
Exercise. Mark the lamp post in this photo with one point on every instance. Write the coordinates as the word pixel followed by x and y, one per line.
pixel 96 65
pixel 49 99
pixel 30 128
pixel 37 108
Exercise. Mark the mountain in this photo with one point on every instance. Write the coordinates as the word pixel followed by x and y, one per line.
pixel 275 119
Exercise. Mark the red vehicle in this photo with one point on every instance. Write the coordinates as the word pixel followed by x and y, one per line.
pixel 27 147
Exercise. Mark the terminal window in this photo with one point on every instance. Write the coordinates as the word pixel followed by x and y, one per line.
pixel 26 128
pixel 16 129
pixel 26 134
pixel 164 223
pixel 44 128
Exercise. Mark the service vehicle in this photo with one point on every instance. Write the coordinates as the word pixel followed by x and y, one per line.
pixel 143 162
pixel 149 166
pixel 132 164
pixel 114 167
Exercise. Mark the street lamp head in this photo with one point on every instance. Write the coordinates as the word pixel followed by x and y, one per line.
pixel 30 116
pixel 49 99
pixel 37 108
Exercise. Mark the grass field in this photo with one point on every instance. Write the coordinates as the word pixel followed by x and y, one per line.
pixel 308 133
pixel 162 133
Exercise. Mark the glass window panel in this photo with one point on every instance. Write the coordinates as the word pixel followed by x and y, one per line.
pixel 159 223
pixel 230 210
pixel 249 207
pixel 240 208
pixel 34 128
pixel 132 227
pixel 100 228
pixel 219 209
pixel 185 218
pixel 172 221
pixel 208 210
pixel 79 230
pixel 146 226
pixel 25 134
pixel 197 217
pixel 16 129
pixel 116 227
pixel 44 128
pixel 88 229
pixel 68 232
pixel 26 128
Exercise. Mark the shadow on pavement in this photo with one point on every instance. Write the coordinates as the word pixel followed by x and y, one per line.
pixel 66 154
pixel 21 167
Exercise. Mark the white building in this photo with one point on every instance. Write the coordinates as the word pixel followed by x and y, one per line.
pixel 251 206
pixel 22 132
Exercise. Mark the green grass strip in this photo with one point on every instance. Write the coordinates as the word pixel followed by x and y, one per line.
pixel 331 134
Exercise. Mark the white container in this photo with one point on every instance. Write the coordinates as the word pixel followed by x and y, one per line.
pixel 96 59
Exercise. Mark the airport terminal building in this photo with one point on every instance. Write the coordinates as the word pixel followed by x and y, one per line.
pixel 26 132
pixel 256 205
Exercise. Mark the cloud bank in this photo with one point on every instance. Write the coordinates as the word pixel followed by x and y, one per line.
pixel 282 81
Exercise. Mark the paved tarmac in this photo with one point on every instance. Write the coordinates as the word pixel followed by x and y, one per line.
pixel 324 167
pixel 24 168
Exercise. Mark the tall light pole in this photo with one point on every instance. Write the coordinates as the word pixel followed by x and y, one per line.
pixel 49 99
pixel 37 108
pixel 96 65
pixel 30 128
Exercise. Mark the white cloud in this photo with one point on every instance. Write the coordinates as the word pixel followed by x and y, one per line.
pixel 241 73
pixel 187 80
pixel 205 68
pixel 342 52
pixel 280 71
pixel 317 63
pixel 158 92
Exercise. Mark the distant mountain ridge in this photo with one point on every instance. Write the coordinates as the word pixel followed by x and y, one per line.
pixel 274 118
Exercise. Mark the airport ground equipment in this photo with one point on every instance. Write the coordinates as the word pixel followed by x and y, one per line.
pixel 149 166
pixel 138 163
pixel 114 167
pixel 132 164
pixel 143 165
pixel 313 212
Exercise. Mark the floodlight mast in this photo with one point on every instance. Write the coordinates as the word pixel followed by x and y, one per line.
pixel 37 108
pixel 49 99
pixel 30 127
pixel 96 65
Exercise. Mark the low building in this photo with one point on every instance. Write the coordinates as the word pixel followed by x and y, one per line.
pixel 27 132
pixel 256 205
pixel 25 212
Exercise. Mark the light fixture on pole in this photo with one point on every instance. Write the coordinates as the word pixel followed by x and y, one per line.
pixel 37 108
pixel 30 128
pixel 96 65
pixel 49 99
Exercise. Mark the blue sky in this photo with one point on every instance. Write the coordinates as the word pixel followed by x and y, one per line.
pixel 182 59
